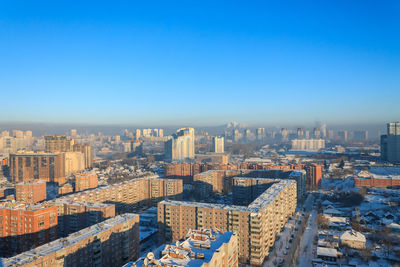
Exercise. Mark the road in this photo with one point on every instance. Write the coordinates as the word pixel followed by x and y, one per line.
pixel 279 250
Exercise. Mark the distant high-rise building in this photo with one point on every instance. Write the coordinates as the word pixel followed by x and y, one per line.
pixel 331 134
pixel 343 135
pixel 308 144
pixel 248 135
pixel 138 133
pixel 181 146
pixel 260 133
pixel 73 133
pixel 284 134
pixel 361 135
pixel 57 143
pixel 316 133
pixel 390 143
pixel 306 134
pixel 323 130
pixel 300 133
pixel 218 144
pixel 87 151
pixel 236 135
pixel 160 132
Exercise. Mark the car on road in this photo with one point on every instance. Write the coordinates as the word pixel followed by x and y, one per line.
pixel 285 252
pixel 281 262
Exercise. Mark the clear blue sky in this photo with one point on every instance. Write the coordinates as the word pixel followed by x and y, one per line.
pixel 200 62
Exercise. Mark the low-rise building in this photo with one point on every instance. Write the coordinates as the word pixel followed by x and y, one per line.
pixel 353 239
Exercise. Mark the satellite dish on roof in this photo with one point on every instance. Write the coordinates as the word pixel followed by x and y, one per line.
pixel 150 256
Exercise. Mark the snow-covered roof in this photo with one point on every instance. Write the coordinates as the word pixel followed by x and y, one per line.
pixel 352 235
pixel 327 252
pixel 198 248
pixel 380 172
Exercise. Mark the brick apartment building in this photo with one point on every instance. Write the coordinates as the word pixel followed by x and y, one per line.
pixel 132 195
pixel 375 182
pixel 188 171
pixel 65 189
pixel 25 226
pixel 221 181
pixel 74 216
pixel 33 166
pixel 376 176
pixel 31 191
pixel 314 176
pixel 113 242
pixel 256 225
pixel 85 180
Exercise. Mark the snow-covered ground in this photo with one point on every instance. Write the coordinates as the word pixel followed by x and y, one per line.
pixel 307 247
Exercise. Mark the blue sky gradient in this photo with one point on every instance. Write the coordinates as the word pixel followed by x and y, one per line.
pixel 200 62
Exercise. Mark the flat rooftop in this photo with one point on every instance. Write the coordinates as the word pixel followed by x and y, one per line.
pixel 257 205
pixel 198 248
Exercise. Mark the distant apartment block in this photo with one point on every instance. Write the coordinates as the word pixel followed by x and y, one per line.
pixel 390 143
pixel 213 158
pixel 65 189
pixel 343 135
pixel 218 144
pixel 25 226
pixel 57 143
pixel 85 180
pixel 314 176
pixel 380 177
pixel 180 147
pixel 74 215
pixel 220 181
pixel 308 144
pixel 113 242
pixel 360 135
pixel 256 225
pixel 202 248
pixel 29 166
pixel 133 194
pixel 31 191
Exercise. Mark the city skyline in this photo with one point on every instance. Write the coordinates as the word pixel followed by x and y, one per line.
pixel 207 63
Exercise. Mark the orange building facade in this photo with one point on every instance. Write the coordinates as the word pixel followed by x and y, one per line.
pixel 25 226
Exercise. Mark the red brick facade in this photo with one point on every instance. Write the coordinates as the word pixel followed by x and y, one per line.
pixel 374 182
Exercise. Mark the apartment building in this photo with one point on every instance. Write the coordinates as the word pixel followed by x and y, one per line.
pixel 132 195
pixel 74 215
pixel 25 226
pixel 113 242
pixel 221 181
pixel 31 191
pixel 218 144
pixel 57 143
pixel 202 248
pixel 180 147
pixel 308 144
pixel 29 166
pixel 85 180
pixel 256 225
pixel 65 189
